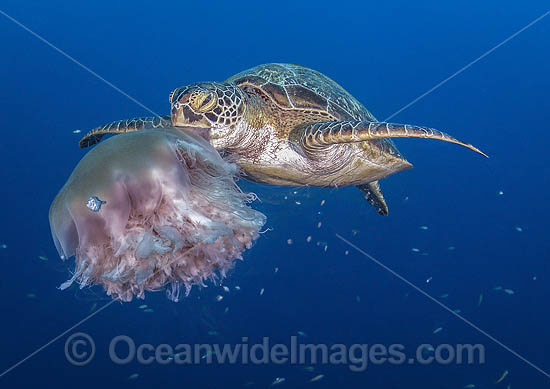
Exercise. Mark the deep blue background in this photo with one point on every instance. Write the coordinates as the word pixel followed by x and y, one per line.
pixel 385 54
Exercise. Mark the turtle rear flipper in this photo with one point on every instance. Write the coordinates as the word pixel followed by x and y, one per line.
pixel 314 136
pixel 120 126
pixel 374 196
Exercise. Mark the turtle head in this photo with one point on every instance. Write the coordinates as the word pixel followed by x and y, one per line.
pixel 216 106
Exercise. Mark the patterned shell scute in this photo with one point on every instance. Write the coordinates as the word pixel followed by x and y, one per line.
pixel 294 86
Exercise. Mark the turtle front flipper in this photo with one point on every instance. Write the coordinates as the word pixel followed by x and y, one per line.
pixel 374 196
pixel 120 126
pixel 314 136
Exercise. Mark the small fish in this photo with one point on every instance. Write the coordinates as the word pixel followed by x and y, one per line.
pixel 302 333
pixel 509 291
pixel 451 248
pixel 289 241
pixel 354 232
pixel 308 239
pixel 276 270
pixel 497 288
pixel 148 310
pixel 262 291
pixel 457 311
pixel 94 306
pixel 133 376
pixel 346 252
pixel 415 250
pixel 358 299
pixel 309 368
pixel 480 299
pixel 237 287
pixel 226 310
pixel 226 289
pixel 428 280
pixel 278 380
pixel 519 229
pixel 3 246
pixel 502 377
pixel 298 203
pixel 439 329
pixel 77 131
pixel 423 228
pixel 31 295
pixel 219 297
pixel 319 225
pixel 213 333
pixel 500 192
pixel 469 386
pixel 444 295
pixel 142 306
pixel 317 378
pixel 322 202
pixel 43 257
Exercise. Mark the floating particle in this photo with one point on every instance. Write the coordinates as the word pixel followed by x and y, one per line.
pixel 451 248
pixel 278 380
pixel 423 228
pixel 534 278
pixel 289 241
pixel 219 297
pixel 444 295
pixel 322 202
pixel 509 291
pixel 319 225
pixel 519 229
pixel 43 257
pixel 439 329
pixel 406 198
pixel 358 299
pixel 262 291
pixel 302 333
pixel 31 295
pixel 135 375
pixel 500 192
pixel 143 306
pixel 415 250
pixel 502 377
pixel 77 132
pixel 286 197
pixel 429 280
pixel 237 287
pixel 480 299
pixel 308 239
pixel 346 252
pixel 354 232
pixel 276 269
pixel 317 378
pixel 148 310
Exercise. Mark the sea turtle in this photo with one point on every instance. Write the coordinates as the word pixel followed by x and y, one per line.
pixel 286 124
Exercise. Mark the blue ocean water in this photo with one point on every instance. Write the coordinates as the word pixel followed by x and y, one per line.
pixel 486 218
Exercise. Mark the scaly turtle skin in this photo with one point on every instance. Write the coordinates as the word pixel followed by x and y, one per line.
pixel 289 125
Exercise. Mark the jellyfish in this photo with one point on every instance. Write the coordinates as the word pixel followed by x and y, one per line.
pixel 152 210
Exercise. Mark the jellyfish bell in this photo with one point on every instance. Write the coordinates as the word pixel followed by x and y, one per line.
pixel 151 210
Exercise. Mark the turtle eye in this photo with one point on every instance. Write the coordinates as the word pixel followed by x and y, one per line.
pixel 203 101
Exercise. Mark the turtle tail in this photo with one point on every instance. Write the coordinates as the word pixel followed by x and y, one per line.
pixel 121 126
pixel 332 133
